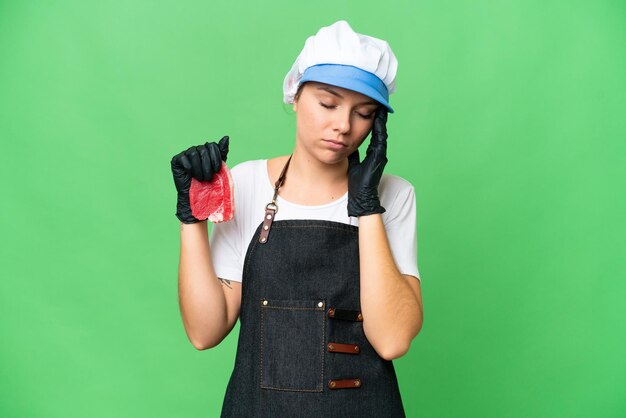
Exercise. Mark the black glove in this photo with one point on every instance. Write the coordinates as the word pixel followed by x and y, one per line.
pixel 201 163
pixel 363 177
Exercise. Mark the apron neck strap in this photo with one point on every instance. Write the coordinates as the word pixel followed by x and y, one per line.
pixel 281 179
pixel 272 208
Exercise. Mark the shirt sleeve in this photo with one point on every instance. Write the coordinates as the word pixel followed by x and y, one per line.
pixel 400 223
pixel 226 250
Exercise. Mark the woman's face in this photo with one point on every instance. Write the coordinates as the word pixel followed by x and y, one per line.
pixel 332 122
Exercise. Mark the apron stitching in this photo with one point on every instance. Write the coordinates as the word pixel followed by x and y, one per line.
pixel 293 390
pixel 261 343
pixel 294 309
pixel 323 344
pixel 315 226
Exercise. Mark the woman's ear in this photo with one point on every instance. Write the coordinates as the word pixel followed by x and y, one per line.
pixel 295 105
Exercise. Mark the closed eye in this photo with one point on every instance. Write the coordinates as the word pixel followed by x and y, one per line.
pixel 361 115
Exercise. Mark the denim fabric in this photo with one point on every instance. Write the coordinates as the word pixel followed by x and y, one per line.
pixel 292 327
pixel 282 367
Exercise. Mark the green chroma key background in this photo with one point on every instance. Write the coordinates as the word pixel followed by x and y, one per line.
pixel 510 122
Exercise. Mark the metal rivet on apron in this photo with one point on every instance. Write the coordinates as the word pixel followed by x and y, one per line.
pixel 331 347
pixel 263 239
pixel 269 216
pixel 264 302
pixel 266 227
pixel 360 317
pixel 332 384
pixel 357 383
pixel 320 304
pixel 331 312
pixel 356 348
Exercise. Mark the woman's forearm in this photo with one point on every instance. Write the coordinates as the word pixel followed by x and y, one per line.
pixel 202 302
pixel 392 312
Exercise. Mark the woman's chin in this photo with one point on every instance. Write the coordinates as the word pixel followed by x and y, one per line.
pixel 333 158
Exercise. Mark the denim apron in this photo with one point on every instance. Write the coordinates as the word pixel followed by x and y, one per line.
pixel 302 351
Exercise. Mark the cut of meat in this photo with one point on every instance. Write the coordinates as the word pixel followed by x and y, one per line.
pixel 213 199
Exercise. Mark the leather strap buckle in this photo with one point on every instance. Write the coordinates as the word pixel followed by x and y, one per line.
pixel 270 213
pixel 345 314
pixel 343 348
pixel 271 208
pixel 344 383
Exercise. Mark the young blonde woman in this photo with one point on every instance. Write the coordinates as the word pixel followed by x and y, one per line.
pixel 319 263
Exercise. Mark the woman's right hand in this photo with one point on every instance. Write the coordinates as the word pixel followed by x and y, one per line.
pixel 199 162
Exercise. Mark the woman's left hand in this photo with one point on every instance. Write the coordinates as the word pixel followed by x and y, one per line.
pixel 364 176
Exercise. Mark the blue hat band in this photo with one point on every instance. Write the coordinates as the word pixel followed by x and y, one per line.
pixel 351 78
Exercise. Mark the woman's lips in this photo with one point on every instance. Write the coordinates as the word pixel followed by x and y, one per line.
pixel 332 144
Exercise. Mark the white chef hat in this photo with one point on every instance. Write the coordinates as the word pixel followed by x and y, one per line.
pixel 339 56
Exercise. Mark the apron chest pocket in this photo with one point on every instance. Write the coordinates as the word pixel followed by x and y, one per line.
pixel 291 343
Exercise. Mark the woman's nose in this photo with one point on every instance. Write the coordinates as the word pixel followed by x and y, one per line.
pixel 341 121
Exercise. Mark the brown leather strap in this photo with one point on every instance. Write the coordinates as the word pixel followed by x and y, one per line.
pixel 281 178
pixel 271 208
pixel 344 383
pixel 270 212
pixel 343 348
pixel 345 314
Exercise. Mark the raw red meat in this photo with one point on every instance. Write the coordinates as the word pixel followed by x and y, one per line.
pixel 213 199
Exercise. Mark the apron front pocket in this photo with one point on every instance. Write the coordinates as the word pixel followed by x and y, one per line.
pixel 292 334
